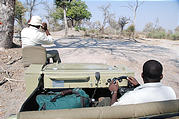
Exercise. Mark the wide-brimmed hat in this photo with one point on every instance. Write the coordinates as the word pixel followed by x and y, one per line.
pixel 36 21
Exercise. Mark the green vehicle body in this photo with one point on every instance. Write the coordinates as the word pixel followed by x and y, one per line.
pixel 73 75
pixel 82 75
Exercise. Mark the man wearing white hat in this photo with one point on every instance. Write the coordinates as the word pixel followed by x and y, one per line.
pixel 32 36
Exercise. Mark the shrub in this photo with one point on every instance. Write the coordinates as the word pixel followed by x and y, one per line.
pixel 157 34
pixel 77 28
pixel 130 31
pixel 175 36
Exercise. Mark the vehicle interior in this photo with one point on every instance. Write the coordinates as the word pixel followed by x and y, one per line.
pixel 94 79
pixel 158 110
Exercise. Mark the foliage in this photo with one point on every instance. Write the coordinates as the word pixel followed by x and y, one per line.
pixel 131 28
pixel 19 12
pixel 77 28
pixel 130 31
pixel 175 36
pixel 62 3
pixel 57 14
pixel 157 34
pixel 177 29
pixel 76 11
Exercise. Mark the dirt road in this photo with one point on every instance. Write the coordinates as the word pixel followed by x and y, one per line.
pixel 126 52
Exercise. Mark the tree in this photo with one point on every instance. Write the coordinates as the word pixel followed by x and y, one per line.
pixel 122 22
pixel 52 16
pixel 154 31
pixel 31 4
pixel 106 15
pixel 77 11
pixel 114 24
pixel 149 27
pixel 134 7
pixel 64 4
pixel 55 16
pixel 177 29
pixel 7 9
pixel 19 13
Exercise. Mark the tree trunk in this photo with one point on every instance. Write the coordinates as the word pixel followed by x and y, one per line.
pixel 65 20
pixel 7 8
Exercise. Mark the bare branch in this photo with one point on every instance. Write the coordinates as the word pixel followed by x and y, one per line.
pixel 6 79
pixel 3 82
pixel 106 14
pixel 12 62
pixel 128 7
pixel 31 4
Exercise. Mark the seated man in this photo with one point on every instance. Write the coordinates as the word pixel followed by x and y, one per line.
pixel 152 90
pixel 32 36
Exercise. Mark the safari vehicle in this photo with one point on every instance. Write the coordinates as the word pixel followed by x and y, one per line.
pixel 93 79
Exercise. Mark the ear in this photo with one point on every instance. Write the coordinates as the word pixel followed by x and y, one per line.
pixel 161 77
pixel 142 75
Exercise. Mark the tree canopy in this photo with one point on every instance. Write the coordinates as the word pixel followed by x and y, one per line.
pixel 19 11
pixel 76 11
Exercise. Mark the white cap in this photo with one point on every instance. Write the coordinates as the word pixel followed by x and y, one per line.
pixel 36 21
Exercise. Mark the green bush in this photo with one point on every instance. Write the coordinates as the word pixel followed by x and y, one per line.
pixel 131 28
pixel 130 31
pixel 77 28
pixel 175 36
pixel 83 29
pixel 158 35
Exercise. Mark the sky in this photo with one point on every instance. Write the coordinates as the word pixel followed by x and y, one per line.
pixel 165 11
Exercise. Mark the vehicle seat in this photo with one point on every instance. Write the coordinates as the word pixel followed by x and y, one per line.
pixel 34 55
pixel 152 110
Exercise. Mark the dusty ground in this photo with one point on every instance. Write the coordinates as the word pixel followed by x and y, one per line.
pixel 112 52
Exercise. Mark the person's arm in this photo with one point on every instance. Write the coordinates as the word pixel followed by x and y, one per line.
pixel 46 39
pixel 133 81
pixel 44 27
pixel 114 89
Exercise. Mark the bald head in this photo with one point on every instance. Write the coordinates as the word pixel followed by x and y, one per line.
pixel 152 71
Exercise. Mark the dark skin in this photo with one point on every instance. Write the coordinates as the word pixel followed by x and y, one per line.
pixel 114 88
pixel 147 81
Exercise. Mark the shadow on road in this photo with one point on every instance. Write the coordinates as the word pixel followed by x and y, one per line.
pixel 114 46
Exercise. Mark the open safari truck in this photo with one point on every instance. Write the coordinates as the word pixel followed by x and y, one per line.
pixel 93 79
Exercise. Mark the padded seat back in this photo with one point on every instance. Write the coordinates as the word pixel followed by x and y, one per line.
pixel 153 110
pixel 34 55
